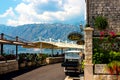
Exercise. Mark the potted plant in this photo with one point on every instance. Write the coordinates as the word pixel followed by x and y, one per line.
pixel 2 58
pixel 114 68
pixel 43 59
pixel 22 60
pixel 38 59
pixel 29 60
pixel 10 57
pixel 101 23
pixel 33 59
pixel 87 25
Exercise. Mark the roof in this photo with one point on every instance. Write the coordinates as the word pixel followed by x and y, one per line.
pixel 73 51
pixel 55 45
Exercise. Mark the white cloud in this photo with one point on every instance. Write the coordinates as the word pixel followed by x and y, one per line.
pixel 8 13
pixel 40 11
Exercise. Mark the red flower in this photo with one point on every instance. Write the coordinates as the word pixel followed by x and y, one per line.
pixel 102 33
pixel 112 34
pixel 111 71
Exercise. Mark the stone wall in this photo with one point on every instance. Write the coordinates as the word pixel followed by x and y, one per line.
pixel 108 8
pixel 51 60
pixel 9 66
pixel 101 73
pixel 106 77
pixel 88 66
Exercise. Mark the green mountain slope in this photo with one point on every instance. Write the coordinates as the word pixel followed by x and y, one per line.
pixel 32 32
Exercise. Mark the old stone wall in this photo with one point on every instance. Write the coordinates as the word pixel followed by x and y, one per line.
pixel 9 66
pixel 51 60
pixel 108 8
pixel 88 66
pixel 106 77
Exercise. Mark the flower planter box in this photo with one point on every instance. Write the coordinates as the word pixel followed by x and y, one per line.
pixel 101 73
pixel 11 60
pixel 8 66
pixel 2 61
pixel 51 60
pixel 101 69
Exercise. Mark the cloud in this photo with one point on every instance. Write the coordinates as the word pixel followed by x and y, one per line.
pixel 47 11
pixel 8 13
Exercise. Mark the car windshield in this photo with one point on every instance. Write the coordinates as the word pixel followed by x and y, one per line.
pixel 72 56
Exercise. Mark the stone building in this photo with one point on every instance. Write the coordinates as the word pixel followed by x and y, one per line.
pixel 108 8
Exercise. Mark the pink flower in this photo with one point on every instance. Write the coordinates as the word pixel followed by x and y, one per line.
pixel 102 33
pixel 112 34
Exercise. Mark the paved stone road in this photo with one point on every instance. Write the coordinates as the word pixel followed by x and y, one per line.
pixel 49 72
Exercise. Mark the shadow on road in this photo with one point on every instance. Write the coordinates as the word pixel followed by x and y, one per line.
pixel 11 75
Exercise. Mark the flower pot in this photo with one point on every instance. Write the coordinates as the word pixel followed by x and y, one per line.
pixel 22 65
pixel 29 64
pixel 33 63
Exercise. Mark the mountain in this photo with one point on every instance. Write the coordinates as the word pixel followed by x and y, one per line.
pixel 32 32
pixel 6 29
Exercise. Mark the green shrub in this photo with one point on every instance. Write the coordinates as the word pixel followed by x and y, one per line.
pixel 105 51
pixel 101 22
pixel 10 57
pixel 87 25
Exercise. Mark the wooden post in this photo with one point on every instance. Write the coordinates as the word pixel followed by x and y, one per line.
pixel 16 48
pixel 1 49
pixel 2 37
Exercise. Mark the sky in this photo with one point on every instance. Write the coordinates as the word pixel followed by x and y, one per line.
pixel 20 12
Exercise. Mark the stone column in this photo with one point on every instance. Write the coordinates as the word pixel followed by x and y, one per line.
pixel 88 66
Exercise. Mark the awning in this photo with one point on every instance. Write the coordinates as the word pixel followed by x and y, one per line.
pixel 55 45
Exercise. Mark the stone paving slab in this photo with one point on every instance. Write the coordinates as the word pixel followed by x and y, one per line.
pixel 74 78
pixel 48 72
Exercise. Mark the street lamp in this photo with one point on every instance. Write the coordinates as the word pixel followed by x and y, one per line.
pixel 81 27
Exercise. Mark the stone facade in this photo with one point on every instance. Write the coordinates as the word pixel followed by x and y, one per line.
pixel 108 8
